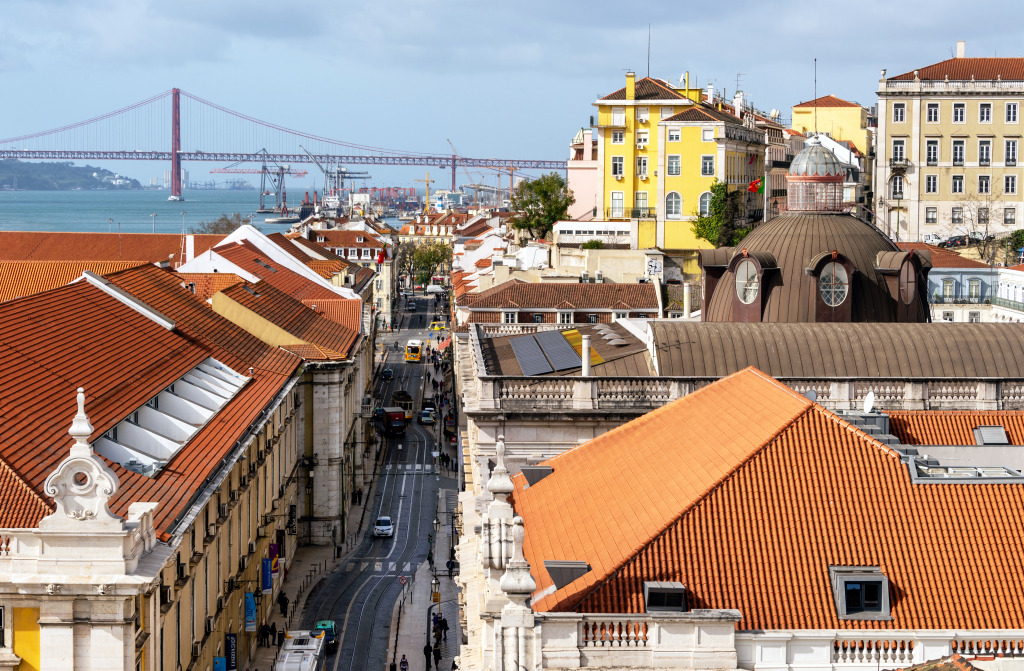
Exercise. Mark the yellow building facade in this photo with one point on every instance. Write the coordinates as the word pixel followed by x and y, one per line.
pixel 840 119
pixel 949 136
pixel 659 150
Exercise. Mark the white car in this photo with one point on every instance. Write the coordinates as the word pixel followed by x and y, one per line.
pixel 932 238
pixel 383 528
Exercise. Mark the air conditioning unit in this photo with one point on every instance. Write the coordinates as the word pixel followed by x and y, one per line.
pixel 618 178
pixel 599 277
pixel 641 145
pixel 223 511
pixel 234 494
pixel 197 649
pixel 261 531
pixel 252 547
pixel 220 604
pixel 584 277
pixel 211 624
pixel 166 594
pixel 243 480
pixel 211 531
pixel 231 585
pixel 643 176
pixel 182 572
pixel 243 561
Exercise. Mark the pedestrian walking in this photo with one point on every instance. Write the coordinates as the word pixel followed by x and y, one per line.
pixel 282 601
pixel 430 559
pixel 451 567
pixel 404 664
pixel 444 628
pixel 437 657
pixel 272 633
pixel 427 652
pixel 261 639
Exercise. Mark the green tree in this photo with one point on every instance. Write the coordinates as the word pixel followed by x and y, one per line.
pixel 429 256
pixel 539 203
pixel 1013 243
pixel 222 226
pixel 593 244
pixel 720 226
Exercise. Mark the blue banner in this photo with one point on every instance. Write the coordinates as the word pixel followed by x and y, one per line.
pixel 231 651
pixel 250 612
pixel 220 664
pixel 268 579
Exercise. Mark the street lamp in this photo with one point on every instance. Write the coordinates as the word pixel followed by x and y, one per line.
pixel 154 221
pixel 437 524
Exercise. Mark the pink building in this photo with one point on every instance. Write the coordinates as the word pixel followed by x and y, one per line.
pixel 583 175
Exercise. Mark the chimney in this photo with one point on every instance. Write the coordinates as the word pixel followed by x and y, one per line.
pixel 737 102
pixel 630 86
pixel 686 299
pixel 586 356
pixel 960 48
pixel 711 93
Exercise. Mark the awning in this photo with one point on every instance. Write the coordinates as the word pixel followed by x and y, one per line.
pixel 444 343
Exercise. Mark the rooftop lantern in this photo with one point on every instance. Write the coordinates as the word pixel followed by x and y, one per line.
pixel 815 180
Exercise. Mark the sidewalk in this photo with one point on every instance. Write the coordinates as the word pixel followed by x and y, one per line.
pixel 411 620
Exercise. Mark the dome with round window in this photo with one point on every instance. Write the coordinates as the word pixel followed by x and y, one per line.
pixel 814 262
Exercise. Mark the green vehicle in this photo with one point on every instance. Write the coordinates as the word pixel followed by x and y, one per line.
pixel 330 633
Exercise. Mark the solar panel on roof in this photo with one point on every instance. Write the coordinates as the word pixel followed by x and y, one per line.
pixel 529 355
pixel 559 352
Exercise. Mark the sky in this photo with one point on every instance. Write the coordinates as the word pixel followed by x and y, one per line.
pixel 499 79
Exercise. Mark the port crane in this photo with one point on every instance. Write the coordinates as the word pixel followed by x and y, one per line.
pixel 427 182
pixel 274 175
pixel 334 181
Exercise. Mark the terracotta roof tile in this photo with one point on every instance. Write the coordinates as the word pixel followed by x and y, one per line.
pixel 953 427
pixel 76 246
pixel 314 248
pixel 247 256
pixel 345 311
pixel 965 69
pixel 528 295
pixel 647 89
pixel 23 278
pixel 827 101
pixel 207 284
pixel 703 113
pixel 347 239
pixel 746 493
pixel 20 505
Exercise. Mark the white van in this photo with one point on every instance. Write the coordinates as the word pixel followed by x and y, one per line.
pixel 302 651
pixel 435 289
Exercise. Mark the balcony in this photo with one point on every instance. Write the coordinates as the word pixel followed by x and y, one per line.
pixel 1007 303
pixel 897 195
pixel 958 161
pixel 984 161
pixel 960 300
pixel 932 161
pixel 1011 162
pixel 899 164
pixel 612 213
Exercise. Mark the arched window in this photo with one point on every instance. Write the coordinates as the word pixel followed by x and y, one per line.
pixel 704 209
pixel 673 205
pixel 746 281
pixel 908 283
pixel 833 284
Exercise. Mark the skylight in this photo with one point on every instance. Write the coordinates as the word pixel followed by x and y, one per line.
pixel 990 435
pixel 151 435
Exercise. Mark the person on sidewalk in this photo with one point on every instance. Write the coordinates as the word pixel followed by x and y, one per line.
pixel 404 664
pixel 437 657
pixel 261 638
pixel 451 567
pixel 444 628
pixel 272 633
pixel 282 601
pixel 427 652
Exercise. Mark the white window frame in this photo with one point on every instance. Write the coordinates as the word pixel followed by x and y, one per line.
pixel 675 588
pixel 564 317
pixel 366 253
pixel 897 186
pixel 962 146
pixel 1010 152
pixel 640 200
pixel 642 137
pixel 984 147
pixel 984 185
pixel 707 134
pixel 956 184
pixel 1012 113
pixel 618 116
pixel 707 165
pixel 974 317
pixel 899 112
pixel 983 215
pixel 1009 184
pixel 618 204
pixel 899 149
pixel 641 165
pixel 508 318
pixel 618 137
pixel 643 114
pixel 931 215
pixel 947 315
pixel 618 166
pixel 675 135
pixel 956 215
pixel 931 183
pixel 985 113
pixel 674 161
pixel 702 209
pixel 928 110
pixel 959 113
pixel 839 576
pixel 670 212
pixel 1009 216
pixel 931 152
pixel 616 316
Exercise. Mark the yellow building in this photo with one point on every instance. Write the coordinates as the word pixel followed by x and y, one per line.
pixel 949 134
pixel 659 149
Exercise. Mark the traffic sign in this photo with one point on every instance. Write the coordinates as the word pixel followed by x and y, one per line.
pixel 402 580
pixel 436 597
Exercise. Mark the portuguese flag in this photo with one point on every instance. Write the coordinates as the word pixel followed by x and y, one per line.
pixel 757 186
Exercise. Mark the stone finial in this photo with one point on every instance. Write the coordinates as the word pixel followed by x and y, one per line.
pixel 500 484
pixel 82 484
pixel 517 582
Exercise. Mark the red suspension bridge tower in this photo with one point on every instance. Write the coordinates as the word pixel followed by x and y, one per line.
pixel 175 145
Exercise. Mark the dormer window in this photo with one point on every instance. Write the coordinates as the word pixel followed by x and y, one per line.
pixel 321 238
pixel 833 284
pixel 860 592
pixel 359 238
pixel 746 281
pixel 665 596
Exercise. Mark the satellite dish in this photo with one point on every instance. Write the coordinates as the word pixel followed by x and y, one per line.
pixel 811 395
pixel 869 402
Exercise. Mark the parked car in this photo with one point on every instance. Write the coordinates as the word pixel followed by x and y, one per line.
pixel 383 527
pixel 955 241
pixel 933 239
pixel 330 633
pixel 978 236
pixel 427 417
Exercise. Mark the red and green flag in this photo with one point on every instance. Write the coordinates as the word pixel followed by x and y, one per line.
pixel 757 186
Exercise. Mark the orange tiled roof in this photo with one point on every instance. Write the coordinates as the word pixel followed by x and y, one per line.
pixel 746 492
pixel 75 246
pixel 526 295
pixel 345 311
pixel 647 89
pixel 703 113
pixel 827 101
pixel 332 340
pixel 925 427
pixel 207 284
pixel 247 256
pixel 348 239
pixel 20 505
pixel 327 269
pixel 942 257
pixel 23 278
pixel 314 248
pixel 483 263
pixel 965 69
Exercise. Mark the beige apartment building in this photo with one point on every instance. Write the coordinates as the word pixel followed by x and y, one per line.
pixel 949 140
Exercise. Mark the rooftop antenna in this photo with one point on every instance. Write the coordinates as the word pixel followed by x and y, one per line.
pixel 816 99
pixel 738 75
pixel 648 50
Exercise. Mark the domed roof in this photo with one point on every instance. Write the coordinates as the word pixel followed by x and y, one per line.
pixel 815 160
pixel 795 241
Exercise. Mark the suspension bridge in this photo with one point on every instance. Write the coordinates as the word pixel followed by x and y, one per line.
pixel 204 131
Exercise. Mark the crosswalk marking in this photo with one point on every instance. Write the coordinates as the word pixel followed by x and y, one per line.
pixel 405 569
pixel 364 565
pixel 391 567
pixel 349 566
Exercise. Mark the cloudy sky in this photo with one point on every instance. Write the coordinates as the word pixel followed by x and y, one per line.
pixel 500 79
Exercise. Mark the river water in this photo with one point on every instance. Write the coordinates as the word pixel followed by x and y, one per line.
pixel 131 210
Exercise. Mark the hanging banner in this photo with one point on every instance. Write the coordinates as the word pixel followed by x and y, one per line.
pixel 267 577
pixel 231 651
pixel 220 664
pixel 274 551
pixel 250 612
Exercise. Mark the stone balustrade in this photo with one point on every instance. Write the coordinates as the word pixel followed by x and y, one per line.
pixel 937 86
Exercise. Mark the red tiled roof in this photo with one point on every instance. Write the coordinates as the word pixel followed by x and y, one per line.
pixel 20 505
pixel 526 295
pixel 314 248
pixel 925 427
pixel 483 263
pixel 327 269
pixel 207 284
pixel 827 101
pixel 965 69
pixel 345 311
pixel 75 246
pixel 747 493
pixel 247 256
pixel 347 239
pixel 23 278
pixel 703 113
pixel 942 257
pixel 331 340
pixel 647 89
